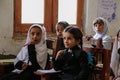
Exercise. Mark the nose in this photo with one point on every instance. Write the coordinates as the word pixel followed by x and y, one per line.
pixel 35 36
pixel 60 32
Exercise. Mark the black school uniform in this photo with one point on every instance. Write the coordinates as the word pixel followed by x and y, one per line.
pixel 74 64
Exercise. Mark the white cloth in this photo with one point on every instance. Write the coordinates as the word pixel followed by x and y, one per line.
pixel 115 62
pixel 106 39
pixel 41 49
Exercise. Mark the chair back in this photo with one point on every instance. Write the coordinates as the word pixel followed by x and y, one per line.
pixel 102 59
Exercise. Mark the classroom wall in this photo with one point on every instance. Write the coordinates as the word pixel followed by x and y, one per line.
pixel 91 12
pixel 8 45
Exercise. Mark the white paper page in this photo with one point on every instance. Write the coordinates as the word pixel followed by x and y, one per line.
pixel 48 71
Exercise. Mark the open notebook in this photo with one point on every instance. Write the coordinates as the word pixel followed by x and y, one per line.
pixel 48 71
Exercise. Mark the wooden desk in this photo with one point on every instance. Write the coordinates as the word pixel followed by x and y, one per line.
pixel 103 57
pixel 6 67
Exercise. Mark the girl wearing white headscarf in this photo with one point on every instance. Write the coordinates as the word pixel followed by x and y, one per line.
pixel 101 29
pixel 106 39
pixel 115 57
pixel 32 56
pixel 41 49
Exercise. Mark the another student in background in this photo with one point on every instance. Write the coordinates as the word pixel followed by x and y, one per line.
pixel 60 26
pixel 101 29
pixel 115 58
pixel 32 56
pixel 73 61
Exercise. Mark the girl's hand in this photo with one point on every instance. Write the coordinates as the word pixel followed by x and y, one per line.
pixel 88 37
pixel 59 53
pixel 24 66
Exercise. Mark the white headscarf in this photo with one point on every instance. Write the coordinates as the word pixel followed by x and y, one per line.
pixel 105 29
pixel 115 63
pixel 41 49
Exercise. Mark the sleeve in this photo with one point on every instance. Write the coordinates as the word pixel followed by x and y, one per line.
pixel 84 72
pixel 20 59
pixel 107 42
pixel 18 65
pixel 59 63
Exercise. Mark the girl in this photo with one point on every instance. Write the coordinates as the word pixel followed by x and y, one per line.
pixel 59 46
pixel 73 61
pixel 32 56
pixel 115 58
pixel 101 30
pixel 60 26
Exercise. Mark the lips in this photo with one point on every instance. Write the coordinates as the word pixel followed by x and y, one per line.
pixel 35 40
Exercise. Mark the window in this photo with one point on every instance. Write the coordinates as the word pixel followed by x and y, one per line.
pixel 52 11
pixel 33 12
pixel 67 12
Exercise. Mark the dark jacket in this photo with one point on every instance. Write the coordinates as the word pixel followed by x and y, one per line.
pixel 74 65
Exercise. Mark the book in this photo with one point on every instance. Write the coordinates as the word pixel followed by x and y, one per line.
pixel 48 71
pixel 17 71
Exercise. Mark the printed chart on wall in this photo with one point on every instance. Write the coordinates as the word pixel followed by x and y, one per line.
pixel 107 9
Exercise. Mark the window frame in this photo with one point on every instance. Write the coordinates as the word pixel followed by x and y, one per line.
pixel 51 8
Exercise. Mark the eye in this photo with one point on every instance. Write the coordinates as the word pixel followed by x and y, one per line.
pixel 32 33
pixel 96 25
pixel 69 38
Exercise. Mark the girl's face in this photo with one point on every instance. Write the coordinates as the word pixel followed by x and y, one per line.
pixel 59 30
pixel 69 40
pixel 35 35
pixel 99 27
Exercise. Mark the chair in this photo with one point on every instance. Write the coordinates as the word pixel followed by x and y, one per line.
pixel 102 58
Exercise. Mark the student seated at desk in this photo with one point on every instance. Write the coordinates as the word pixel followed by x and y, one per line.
pixel 115 58
pixel 73 61
pixel 101 29
pixel 32 56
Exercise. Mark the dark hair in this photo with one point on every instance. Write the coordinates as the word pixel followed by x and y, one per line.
pixel 76 32
pixel 118 33
pixel 35 26
pixel 63 23
pixel 117 38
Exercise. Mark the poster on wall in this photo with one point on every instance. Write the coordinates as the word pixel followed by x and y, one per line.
pixel 107 9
